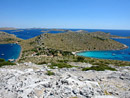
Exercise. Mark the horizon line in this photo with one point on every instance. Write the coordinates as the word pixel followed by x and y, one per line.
pixel 62 28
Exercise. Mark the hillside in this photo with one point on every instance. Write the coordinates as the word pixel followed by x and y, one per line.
pixel 8 38
pixel 74 41
pixel 49 47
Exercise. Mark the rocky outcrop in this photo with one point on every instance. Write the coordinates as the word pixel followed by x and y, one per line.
pixel 28 80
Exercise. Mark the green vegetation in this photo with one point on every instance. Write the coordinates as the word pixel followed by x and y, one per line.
pixel 60 65
pixel 78 41
pixel 80 59
pixel 99 68
pixel 50 73
pixel 95 61
pixel 3 63
pixel 42 63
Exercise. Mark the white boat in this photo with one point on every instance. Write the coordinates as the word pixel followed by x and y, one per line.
pixel 2 54
pixel 113 54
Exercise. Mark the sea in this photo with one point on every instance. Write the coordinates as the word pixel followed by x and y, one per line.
pixel 12 51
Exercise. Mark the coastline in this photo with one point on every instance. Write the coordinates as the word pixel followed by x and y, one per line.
pixel 120 37
pixel 20 55
pixel 75 53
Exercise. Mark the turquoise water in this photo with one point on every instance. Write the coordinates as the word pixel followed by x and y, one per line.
pixel 9 51
pixel 123 55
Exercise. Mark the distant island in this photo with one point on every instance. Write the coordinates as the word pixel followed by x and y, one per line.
pixel 8 28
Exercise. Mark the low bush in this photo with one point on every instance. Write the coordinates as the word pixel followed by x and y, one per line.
pixel 80 59
pixel 60 65
pixel 50 73
pixel 63 61
pixel 3 62
pixel 99 68
pixel 42 63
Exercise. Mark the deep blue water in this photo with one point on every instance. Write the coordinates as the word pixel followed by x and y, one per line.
pixel 30 33
pixel 9 51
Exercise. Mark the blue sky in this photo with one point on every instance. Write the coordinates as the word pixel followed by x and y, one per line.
pixel 85 14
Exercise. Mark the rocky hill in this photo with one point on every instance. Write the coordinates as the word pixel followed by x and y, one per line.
pixel 78 41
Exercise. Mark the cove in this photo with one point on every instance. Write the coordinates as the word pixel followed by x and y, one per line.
pixel 10 51
pixel 123 55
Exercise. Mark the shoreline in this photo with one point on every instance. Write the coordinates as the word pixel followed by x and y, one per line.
pixel 120 37
pixel 20 55
pixel 75 53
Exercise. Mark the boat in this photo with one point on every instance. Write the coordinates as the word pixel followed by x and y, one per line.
pixel 113 54
pixel 2 54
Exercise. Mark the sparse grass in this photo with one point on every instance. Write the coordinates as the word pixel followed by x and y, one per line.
pixel 106 92
pixel 63 61
pixel 50 73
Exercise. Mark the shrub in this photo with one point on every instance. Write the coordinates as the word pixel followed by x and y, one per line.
pixel 3 62
pixel 63 61
pixel 42 63
pixel 50 73
pixel 80 59
pixel 60 65
pixel 35 50
pixel 99 68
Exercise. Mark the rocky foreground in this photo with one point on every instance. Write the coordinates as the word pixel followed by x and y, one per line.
pixel 28 80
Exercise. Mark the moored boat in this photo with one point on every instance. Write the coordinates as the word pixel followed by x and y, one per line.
pixel 2 54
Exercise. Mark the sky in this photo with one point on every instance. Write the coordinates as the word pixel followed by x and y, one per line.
pixel 77 14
